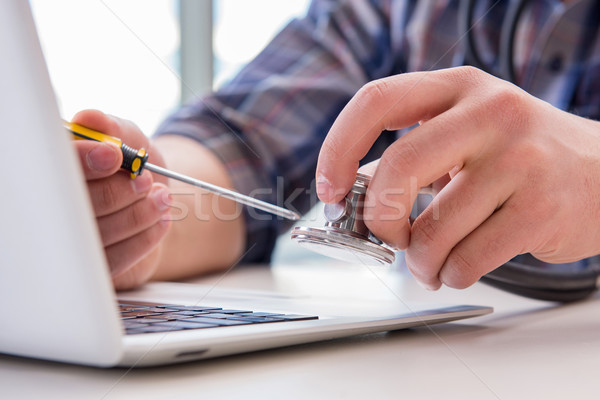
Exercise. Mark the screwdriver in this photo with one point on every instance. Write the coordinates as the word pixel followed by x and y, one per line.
pixel 135 161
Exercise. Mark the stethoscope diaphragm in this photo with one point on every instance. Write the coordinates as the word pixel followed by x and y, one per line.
pixel 343 245
pixel 345 235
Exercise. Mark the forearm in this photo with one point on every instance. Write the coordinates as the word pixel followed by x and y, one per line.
pixel 207 232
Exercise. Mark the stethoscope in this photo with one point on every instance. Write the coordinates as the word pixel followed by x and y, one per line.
pixel 345 236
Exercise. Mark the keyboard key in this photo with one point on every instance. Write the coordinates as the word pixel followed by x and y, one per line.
pixel 153 319
pixel 130 324
pixel 194 308
pixel 188 313
pixel 166 317
pixel 152 329
pixel 138 313
pixel 184 325
pixel 149 309
pixel 296 317
pixel 141 304
pixel 234 311
pixel 256 319
pixel 217 321
pixel 265 314
pixel 218 315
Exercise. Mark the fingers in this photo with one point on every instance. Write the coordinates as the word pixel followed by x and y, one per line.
pixel 414 161
pixel 467 200
pixel 127 253
pixel 136 218
pixel 132 214
pixel 140 273
pixel 132 221
pixel 98 160
pixel 113 126
pixel 114 193
pixel 99 164
pixel 474 129
pixel 493 243
pixel 387 104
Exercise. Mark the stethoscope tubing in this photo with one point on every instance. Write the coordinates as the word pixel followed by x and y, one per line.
pixel 507 38
pixel 538 283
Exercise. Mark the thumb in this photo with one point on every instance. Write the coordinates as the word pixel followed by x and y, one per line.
pixel 98 160
pixel 335 176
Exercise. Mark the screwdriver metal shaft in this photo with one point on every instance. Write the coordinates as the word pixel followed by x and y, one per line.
pixel 230 194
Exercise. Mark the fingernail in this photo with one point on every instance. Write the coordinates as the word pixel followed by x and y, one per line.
pixel 102 157
pixel 425 286
pixel 324 188
pixel 142 183
pixel 162 198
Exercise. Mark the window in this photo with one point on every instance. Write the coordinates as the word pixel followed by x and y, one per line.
pixel 123 56
pixel 243 28
pixel 114 55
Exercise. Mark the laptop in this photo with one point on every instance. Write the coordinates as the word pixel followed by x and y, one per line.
pixel 58 300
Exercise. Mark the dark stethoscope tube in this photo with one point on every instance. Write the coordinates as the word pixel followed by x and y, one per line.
pixel 507 38
pixel 522 279
pixel 537 283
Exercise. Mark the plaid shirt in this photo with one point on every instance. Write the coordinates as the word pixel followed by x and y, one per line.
pixel 267 124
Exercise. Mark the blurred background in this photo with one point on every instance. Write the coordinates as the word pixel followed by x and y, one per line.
pixel 140 59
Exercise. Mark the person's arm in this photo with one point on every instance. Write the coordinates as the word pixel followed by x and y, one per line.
pixel 260 135
pixel 207 232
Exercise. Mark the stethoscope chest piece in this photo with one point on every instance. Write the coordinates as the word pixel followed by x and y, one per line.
pixel 345 235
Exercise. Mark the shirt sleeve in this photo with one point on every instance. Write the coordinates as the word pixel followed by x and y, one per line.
pixel 267 124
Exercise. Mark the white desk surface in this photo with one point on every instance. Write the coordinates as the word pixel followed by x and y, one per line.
pixel 526 349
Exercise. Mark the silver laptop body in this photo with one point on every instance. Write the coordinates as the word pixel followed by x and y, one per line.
pixel 54 283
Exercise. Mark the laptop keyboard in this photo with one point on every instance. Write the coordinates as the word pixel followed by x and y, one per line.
pixel 144 317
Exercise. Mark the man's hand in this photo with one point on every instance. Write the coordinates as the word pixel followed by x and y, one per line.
pixel 524 176
pixel 132 214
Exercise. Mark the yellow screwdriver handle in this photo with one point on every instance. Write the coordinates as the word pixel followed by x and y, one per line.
pixel 133 160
